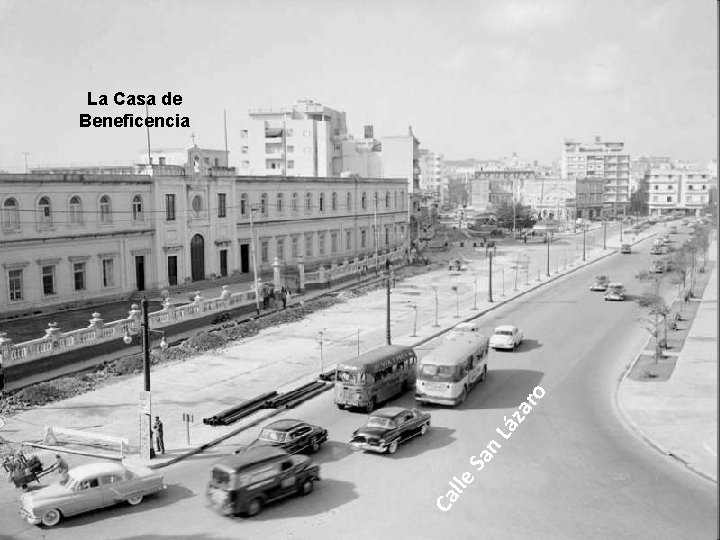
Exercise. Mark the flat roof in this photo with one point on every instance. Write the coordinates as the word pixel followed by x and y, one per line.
pixel 250 457
pixel 455 349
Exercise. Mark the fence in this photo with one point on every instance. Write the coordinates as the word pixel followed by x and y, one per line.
pixel 354 267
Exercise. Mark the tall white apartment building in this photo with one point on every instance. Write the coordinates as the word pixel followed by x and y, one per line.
pixel 668 190
pixel 302 140
pixel 431 170
pixel 601 159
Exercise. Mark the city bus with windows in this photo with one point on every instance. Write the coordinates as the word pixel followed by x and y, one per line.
pixel 375 377
pixel 451 370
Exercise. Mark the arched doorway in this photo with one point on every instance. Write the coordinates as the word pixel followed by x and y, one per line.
pixel 197 257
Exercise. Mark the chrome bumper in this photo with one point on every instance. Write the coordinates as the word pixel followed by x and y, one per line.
pixel 368 447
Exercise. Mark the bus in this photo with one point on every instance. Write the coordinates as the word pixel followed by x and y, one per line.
pixel 374 377
pixel 450 371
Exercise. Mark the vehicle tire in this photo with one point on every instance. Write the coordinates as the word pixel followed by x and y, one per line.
pixel 227 509
pixel 314 446
pixel 393 447
pixel 51 517
pixel 463 396
pixel 307 486
pixel 24 487
pixel 254 507
pixel 483 375
pixel 340 406
pixel 371 405
pixel 423 429
pixel 134 501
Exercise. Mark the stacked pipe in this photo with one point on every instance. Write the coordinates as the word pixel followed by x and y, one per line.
pixel 293 397
pixel 233 414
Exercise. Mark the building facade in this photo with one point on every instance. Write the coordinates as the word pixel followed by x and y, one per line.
pixel 548 197
pixel 664 191
pixel 589 194
pixel 601 159
pixel 503 186
pixel 75 238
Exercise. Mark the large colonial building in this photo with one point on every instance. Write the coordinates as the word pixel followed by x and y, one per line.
pixel 72 238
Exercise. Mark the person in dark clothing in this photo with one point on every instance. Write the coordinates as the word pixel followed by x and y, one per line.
pixel 283 294
pixel 158 435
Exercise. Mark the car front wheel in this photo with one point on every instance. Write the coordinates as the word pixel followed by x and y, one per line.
pixel 307 486
pixel 254 507
pixel 393 447
pixel 314 445
pixel 134 501
pixel 51 517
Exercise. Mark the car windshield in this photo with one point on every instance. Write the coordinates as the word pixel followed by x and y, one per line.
pixel 438 373
pixel 503 332
pixel 380 421
pixel 615 289
pixel 271 435
pixel 600 278
pixel 72 483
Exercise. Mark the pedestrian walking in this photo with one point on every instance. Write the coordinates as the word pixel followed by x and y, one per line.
pixel 62 468
pixel 265 295
pixel 278 298
pixel 284 296
pixel 158 436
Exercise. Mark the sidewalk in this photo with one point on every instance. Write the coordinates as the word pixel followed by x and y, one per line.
pixel 679 416
pixel 278 358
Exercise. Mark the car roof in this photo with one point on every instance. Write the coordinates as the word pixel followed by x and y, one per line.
pixel 466 325
pixel 505 327
pixel 286 424
pixel 389 412
pixel 615 285
pixel 91 470
pixel 600 276
pixel 455 349
pixel 250 457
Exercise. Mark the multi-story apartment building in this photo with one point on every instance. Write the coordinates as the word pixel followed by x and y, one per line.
pixel 503 186
pixel 603 159
pixel 589 194
pixel 431 171
pixel 667 190
pixel 302 140
pixel 73 238
pixel 548 196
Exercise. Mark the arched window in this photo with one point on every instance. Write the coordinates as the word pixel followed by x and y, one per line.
pixel 11 214
pixel 308 202
pixel 387 199
pixel 105 209
pixel 137 208
pixel 363 201
pixel 322 202
pixel 44 211
pixel 279 203
pixel 197 204
pixel 263 204
pixel 243 204
pixel 349 202
pixel 294 202
pixel 333 202
pixel 76 217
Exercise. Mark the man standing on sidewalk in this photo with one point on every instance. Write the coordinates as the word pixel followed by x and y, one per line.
pixel 158 435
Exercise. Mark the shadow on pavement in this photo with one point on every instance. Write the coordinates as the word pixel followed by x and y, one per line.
pixel 327 495
pixel 528 345
pixel 504 389
pixel 437 437
pixel 332 451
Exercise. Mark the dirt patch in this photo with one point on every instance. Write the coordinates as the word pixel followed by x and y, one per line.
pixel 647 370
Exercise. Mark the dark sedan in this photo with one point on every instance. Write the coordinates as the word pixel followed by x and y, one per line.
pixel 293 436
pixel 387 428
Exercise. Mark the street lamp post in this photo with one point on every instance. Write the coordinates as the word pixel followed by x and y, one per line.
pixel 584 241
pixel 254 261
pixel 547 269
pixel 475 296
pixel 490 257
pixel 434 288
pixel 604 234
pixel 415 309
pixel 388 266
pixel 145 397
pixel 457 301
pixel 322 362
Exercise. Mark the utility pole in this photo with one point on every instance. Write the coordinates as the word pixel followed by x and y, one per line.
pixel 475 297
pixel 490 256
pixel 434 288
pixel 254 260
pixel 584 232
pixel 604 234
pixel 388 264
pixel 547 269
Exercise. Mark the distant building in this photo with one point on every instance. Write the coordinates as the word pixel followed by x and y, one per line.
pixel 602 159
pixel 664 191
pixel 548 197
pixel 502 187
pixel 431 170
pixel 589 194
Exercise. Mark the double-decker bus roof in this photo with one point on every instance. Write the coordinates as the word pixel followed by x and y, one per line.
pixel 374 356
pixel 454 350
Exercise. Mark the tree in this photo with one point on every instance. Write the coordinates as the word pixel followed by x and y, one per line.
pixel 657 311
pixel 522 215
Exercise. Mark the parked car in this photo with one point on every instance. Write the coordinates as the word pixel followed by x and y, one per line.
pixel 665 239
pixel 243 483
pixel 615 291
pixel 600 283
pixel 656 250
pixel 293 436
pixel 387 428
pixel 455 264
pixel 625 248
pixel 657 267
pixel 506 337
pixel 89 487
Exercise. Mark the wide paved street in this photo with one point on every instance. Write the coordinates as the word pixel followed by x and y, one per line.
pixel 571 469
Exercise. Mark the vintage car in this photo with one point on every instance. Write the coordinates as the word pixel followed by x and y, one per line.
pixel 243 483
pixel 89 487
pixel 657 267
pixel 600 283
pixel 506 337
pixel 656 250
pixel 464 329
pixel 455 264
pixel 293 436
pixel 625 248
pixel 615 291
pixel 387 428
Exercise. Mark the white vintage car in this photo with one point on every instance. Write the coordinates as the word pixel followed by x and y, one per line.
pixel 506 337
pixel 89 487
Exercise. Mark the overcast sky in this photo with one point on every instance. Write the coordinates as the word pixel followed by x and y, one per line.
pixel 476 79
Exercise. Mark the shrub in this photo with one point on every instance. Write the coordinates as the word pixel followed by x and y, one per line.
pixel 127 365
